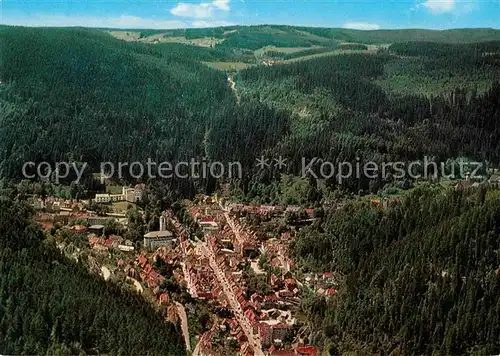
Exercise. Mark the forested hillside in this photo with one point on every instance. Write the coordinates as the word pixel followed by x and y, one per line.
pixel 50 305
pixel 78 94
pixel 421 277
pixel 253 37
pixel 385 107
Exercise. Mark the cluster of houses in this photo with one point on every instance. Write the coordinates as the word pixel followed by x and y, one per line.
pixel 324 283
pixel 148 274
pixel 202 279
pixel 232 244
pixel 100 243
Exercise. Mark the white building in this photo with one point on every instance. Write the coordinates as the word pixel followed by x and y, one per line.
pixel 155 239
pixel 131 195
pixel 108 198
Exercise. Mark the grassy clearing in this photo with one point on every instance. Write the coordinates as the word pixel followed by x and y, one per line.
pixel 126 35
pixel 114 189
pixel 227 66
pixel 120 206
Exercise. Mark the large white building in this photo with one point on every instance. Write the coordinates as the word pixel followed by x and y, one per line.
pixel 131 195
pixel 155 239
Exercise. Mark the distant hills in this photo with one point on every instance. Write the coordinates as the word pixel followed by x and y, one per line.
pixel 252 37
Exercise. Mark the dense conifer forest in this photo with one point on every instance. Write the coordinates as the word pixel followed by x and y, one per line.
pixel 421 277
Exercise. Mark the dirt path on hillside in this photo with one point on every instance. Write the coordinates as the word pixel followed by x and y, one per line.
pixel 232 85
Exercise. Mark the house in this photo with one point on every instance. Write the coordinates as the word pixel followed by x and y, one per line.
pixel 326 275
pixel 97 229
pixel 285 293
pixel 126 248
pixel 311 213
pixel 292 209
pixel 79 228
pixel 208 224
pixel 142 261
pixel 290 284
pixel 130 271
pixel 95 241
pixel 256 298
pixel 269 333
pixel 249 313
pixel 275 282
pixel 62 217
pixel 285 236
pixel 306 350
pixel 246 350
pixel 265 332
pixel 154 279
pixel 217 292
pixel 270 301
pixel 282 353
pixel 331 291
pixel 164 299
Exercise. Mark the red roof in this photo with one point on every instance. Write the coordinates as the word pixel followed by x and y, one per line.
pixel 307 350
pixel 142 260
pixel 280 326
pixel 250 315
pixel 331 291
pixel 164 298
pixel 79 228
pixel 207 219
pixel 270 297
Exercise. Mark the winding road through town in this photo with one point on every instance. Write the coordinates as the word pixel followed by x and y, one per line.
pixel 253 340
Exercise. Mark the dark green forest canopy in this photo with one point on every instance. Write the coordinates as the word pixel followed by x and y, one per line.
pixel 51 305
pixel 421 277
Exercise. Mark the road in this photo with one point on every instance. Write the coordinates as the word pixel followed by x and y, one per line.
pixel 245 325
pixel 187 278
pixel 184 324
pixel 232 85
pixel 137 284
pixel 196 351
